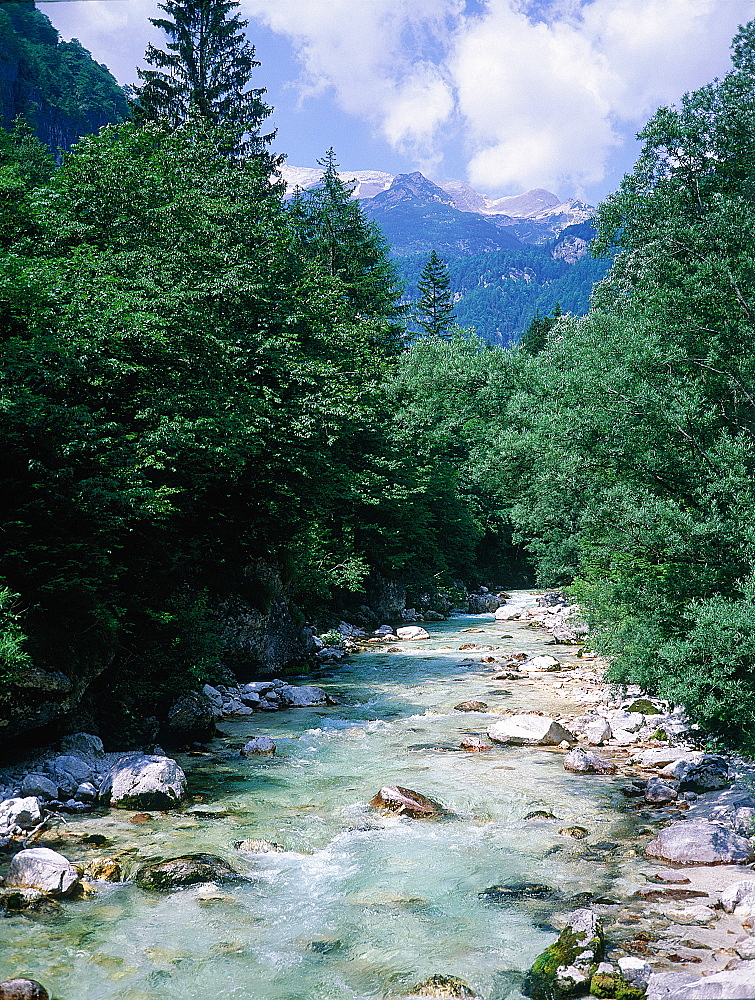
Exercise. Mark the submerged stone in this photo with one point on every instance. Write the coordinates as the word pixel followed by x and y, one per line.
pixel 405 802
pixel 23 989
pixel 191 869
pixel 512 891
pixel 442 986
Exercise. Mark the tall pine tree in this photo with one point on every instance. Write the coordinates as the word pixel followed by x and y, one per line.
pixel 332 229
pixel 435 311
pixel 205 70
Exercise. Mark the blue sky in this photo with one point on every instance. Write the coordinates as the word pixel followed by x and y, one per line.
pixel 504 94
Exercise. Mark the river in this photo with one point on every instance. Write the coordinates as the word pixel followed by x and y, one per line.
pixel 357 905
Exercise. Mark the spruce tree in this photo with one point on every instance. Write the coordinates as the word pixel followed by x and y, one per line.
pixel 435 311
pixel 205 71
pixel 332 229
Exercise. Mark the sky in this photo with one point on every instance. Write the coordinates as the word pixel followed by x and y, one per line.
pixel 507 95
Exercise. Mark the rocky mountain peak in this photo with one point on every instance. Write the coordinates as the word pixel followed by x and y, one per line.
pixel 412 187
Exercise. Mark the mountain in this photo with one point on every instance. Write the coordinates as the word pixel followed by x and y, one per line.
pixel 417 216
pixel 64 93
pixel 508 258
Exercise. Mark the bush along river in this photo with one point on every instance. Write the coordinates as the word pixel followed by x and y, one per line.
pixel 423 834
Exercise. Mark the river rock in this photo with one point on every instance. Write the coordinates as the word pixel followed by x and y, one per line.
pixel 698 842
pixel 659 791
pixel 733 984
pixel 597 732
pixel 22 814
pixel 257 746
pixel 405 802
pixel 86 742
pixel 711 774
pixel 539 730
pixel 68 771
pixel 39 786
pixel 471 706
pixel 191 719
pixel 303 696
pixel 473 744
pixel 506 613
pixel 542 662
pixel 565 968
pixel 43 869
pixel 23 989
pixel 412 632
pixel 191 869
pixel 662 984
pixel 259 846
pixel 739 898
pixel 442 986
pixel 636 971
pixel 629 722
pixel 582 761
pixel 144 781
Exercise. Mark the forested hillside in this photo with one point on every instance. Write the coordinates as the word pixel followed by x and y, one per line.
pixel 498 294
pixel 207 403
pixel 56 85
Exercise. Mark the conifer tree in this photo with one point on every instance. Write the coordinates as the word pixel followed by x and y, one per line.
pixel 332 229
pixel 535 337
pixel 205 70
pixel 435 311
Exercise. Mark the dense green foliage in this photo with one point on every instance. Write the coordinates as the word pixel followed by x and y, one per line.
pixel 56 85
pixel 620 446
pixel 498 294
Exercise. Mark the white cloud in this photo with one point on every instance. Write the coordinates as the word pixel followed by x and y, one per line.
pixel 373 56
pixel 542 93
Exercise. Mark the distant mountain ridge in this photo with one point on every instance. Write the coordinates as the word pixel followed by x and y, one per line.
pixel 534 217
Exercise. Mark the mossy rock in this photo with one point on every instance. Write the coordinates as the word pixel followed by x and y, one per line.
pixel 660 734
pixel 442 986
pixel 542 981
pixel 191 869
pixel 644 706
pixel 604 985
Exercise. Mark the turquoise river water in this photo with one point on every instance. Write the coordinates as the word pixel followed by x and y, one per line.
pixel 358 905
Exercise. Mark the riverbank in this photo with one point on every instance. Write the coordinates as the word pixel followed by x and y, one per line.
pixel 405 898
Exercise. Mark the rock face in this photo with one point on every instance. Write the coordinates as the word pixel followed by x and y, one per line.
pixel 43 869
pixel 141 781
pixel 564 969
pixel 191 869
pixel 405 802
pixel 530 729
pixel 700 843
pixel 23 989
pixel 585 762
pixel 191 718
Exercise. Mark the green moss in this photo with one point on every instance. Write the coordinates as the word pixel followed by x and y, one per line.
pixel 645 706
pixel 541 983
pixel 660 734
pixel 604 985
pixel 627 992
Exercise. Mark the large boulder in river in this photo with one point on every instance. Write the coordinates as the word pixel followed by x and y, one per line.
pixel 258 746
pixel 412 632
pixel 698 842
pixel 19 813
pixel 709 775
pixel 507 613
pixel 564 969
pixel 732 984
pixel 43 869
pixel 23 989
pixel 405 802
pixel 581 761
pixel 144 781
pixel 191 869
pixel 302 696
pixel 538 730
pixel 190 719
pixel 543 661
